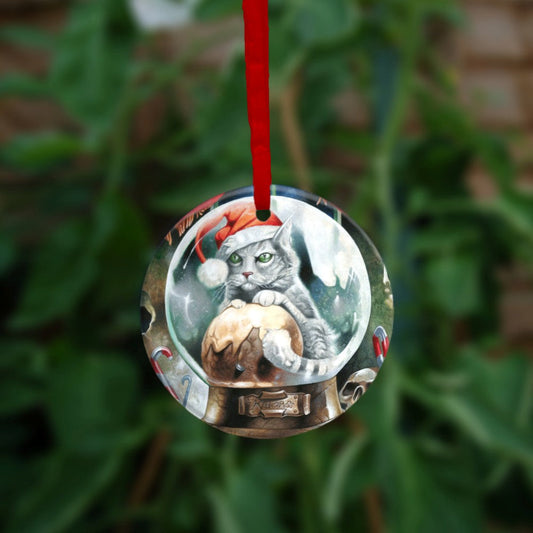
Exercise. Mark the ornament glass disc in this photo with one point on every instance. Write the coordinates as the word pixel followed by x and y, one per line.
pixel 266 328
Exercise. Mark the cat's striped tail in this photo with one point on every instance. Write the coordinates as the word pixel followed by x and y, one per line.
pixel 277 349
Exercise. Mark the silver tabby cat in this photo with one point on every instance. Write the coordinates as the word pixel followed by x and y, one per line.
pixel 266 272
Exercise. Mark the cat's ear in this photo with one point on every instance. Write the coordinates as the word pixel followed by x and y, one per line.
pixel 283 235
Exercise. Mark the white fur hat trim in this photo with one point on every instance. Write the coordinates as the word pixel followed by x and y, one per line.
pixel 246 236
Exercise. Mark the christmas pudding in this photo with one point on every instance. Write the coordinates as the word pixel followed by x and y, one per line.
pixel 232 347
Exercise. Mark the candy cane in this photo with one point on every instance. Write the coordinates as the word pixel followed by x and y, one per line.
pixel 380 340
pixel 154 360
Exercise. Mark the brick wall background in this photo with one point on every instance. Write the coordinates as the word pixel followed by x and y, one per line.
pixel 495 72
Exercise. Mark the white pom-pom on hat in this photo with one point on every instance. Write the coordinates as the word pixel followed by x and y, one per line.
pixel 213 273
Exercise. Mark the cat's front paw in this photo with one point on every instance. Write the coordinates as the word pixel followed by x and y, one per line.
pixel 267 298
pixel 238 304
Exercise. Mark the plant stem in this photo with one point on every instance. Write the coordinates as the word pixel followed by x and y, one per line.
pixel 390 134
pixel 293 132
pixel 147 474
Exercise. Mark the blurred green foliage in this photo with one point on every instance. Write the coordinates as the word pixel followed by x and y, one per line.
pixel 92 442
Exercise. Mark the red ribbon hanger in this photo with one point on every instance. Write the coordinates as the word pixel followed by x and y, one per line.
pixel 255 14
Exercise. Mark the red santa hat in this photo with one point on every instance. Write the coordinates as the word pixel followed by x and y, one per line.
pixel 242 227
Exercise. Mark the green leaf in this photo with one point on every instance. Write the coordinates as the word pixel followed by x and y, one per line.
pixel 28 36
pixel 207 10
pixel 323 79
pixel 24 86
pixel 316 22
pixel 40 151
pixel 64 490
pixel 516 210
pixel 21 356
pixel 496 158
pixel 120 239
pixel 482 407
pixel 454 283
pixel 60 275
pixel 91 400
pixel 443 117
pixel 446 238
pixel 19 395
pixel 446 10
pixel 488 429
pixel 8 253
pixel 427 494
pixel 338 477
pixel 246 485
pixel 228 112
pixel 225 520
pixel 92 66
pixel 286 54
pixel 23 376
pixel 505 385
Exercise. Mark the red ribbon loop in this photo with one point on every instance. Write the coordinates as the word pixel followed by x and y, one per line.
pixel 255 14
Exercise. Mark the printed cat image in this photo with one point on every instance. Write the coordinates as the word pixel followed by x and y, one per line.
pixel 266 272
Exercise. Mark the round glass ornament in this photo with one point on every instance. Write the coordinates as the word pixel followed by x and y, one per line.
pixel 266 328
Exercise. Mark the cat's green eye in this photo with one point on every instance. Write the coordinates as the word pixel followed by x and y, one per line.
pixel 264 258
pixel 235 259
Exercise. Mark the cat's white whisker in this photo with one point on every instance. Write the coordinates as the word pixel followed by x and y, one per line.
pixel 219 293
